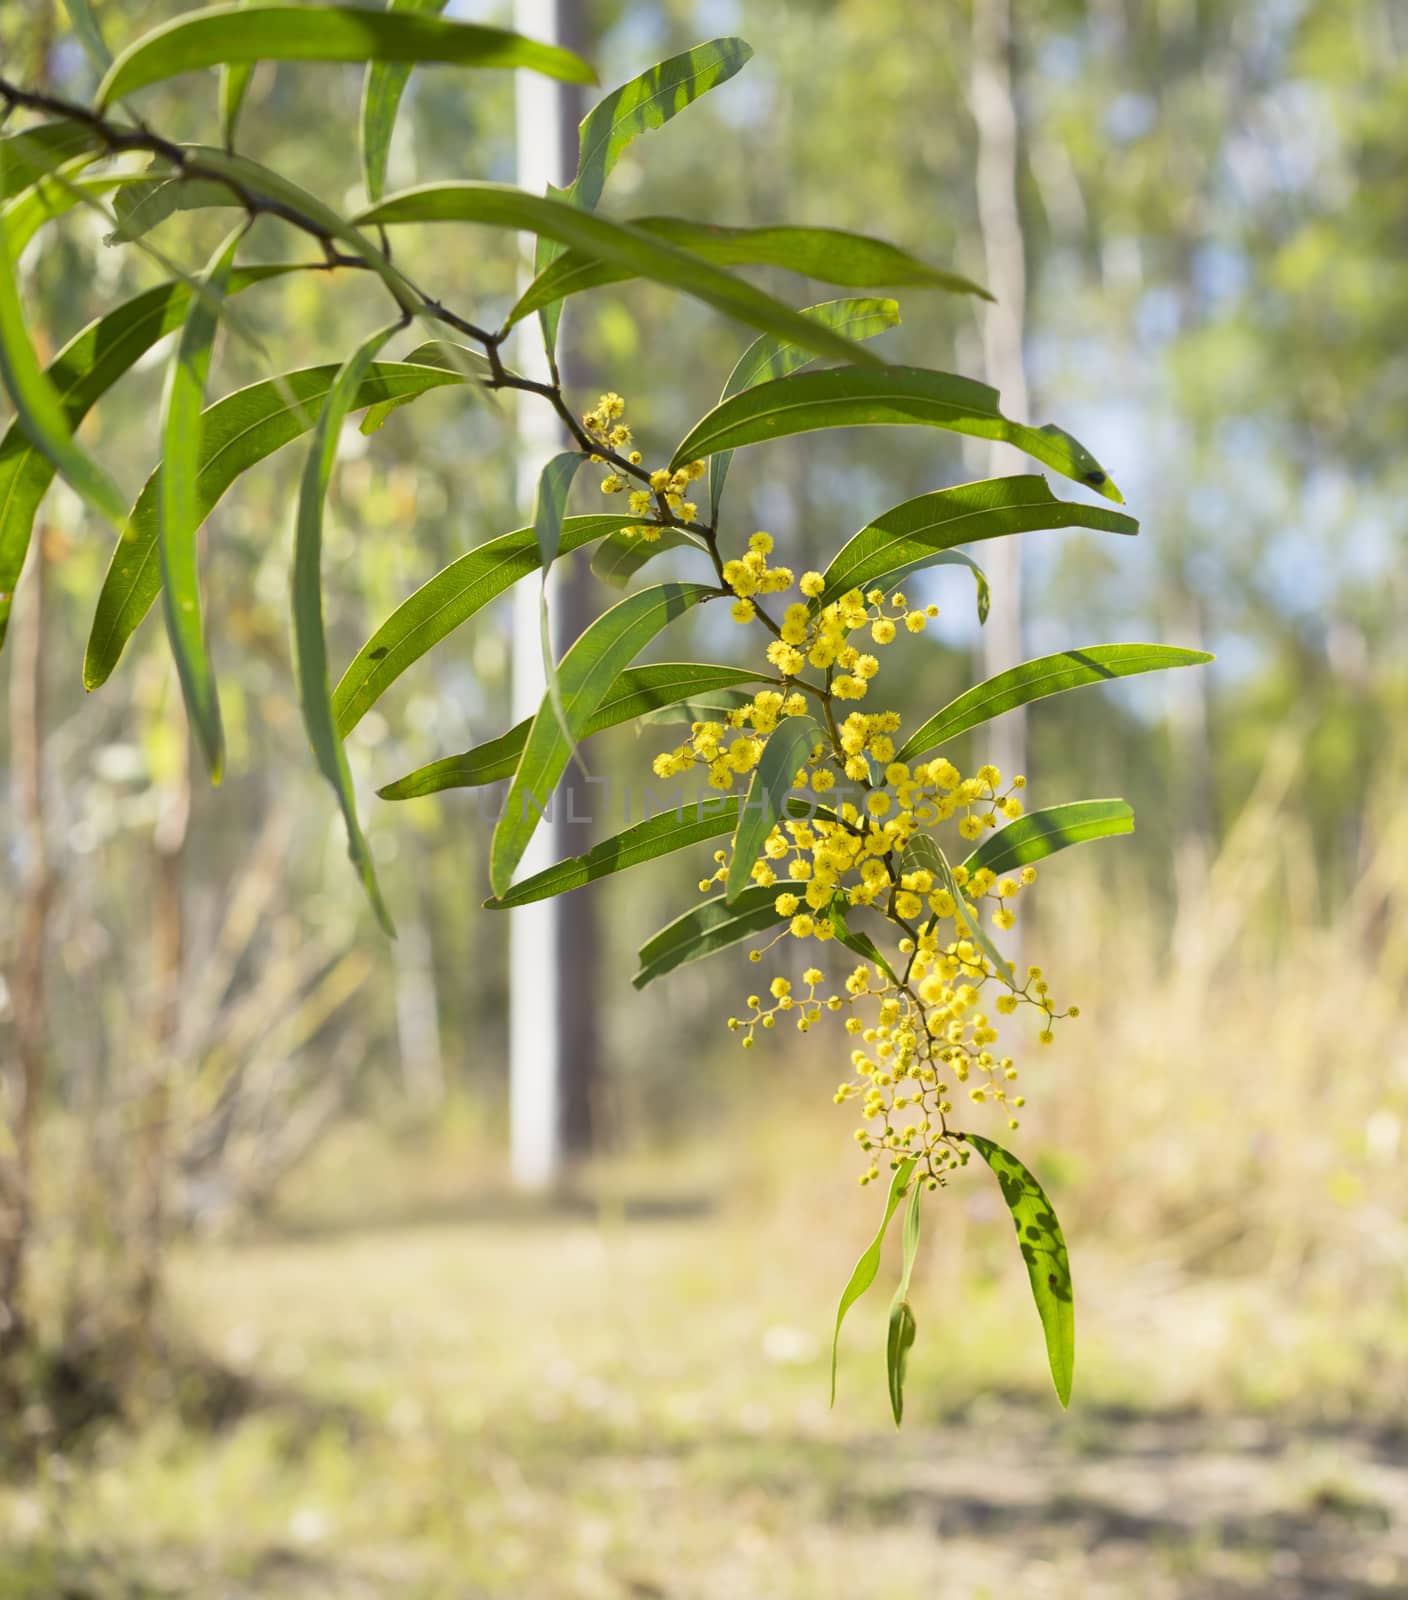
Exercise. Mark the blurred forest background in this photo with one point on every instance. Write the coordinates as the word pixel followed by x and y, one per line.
pixel 297 1336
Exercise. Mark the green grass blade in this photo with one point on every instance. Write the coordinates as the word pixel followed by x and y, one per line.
pixel 916 533
pixel 178 507
pixel 869 1264
pixel 1044 1251
pixel 310 655
pixel 442 603
pixel 381 98
pixel 236 432
pixel 1042 833
pixel 785 753
pixel 853 397
pixel 264 31
pixel 585 676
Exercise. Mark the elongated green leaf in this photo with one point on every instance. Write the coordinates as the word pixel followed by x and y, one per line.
pixel 768 357
pixel 264 31
pixel 1042 833
pixel 899 1341
pixel 711 706
pixel 55 195
pixel 869 1264
pixel 469 364
pixel 900 1337
pixel 236 432
pixel 381 98
pixel 90 36
pixel 145 205
pixel 178 507
pixel 498 205
pixel 912 535
pixel 39 408
pixel 234 85
pixel 646 102
pixel 1044 1251
pixel 554 485
pixel 624 554
pixel 853 939
pixel 787 750
pixel 87 366
pixel 711 926
pixel 675 686
pixel 1035 680
pixel 922 851
pixel 442 603
pixel 26 157
pixel 585 677
pixel 852 397
pixel 830 255
pixel 310 653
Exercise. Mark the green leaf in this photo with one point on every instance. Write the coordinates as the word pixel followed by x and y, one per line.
pixel 90 36
pixel 145 205
pixel 665 690
pixel 916 533
pixel 236 432
pixel 898 1342
pixel 499 205
pixel 707 818
pixel 861 943
pixel 381 98
pixel 234 84
pixel 1035 680
pixel 554 485
pixel 852 397
pixel 442 603
pixel 922 851
pixel 623 554
pixel 55 195
pixel 902 1329
pixel 39 407
pixel 26 157
pixel 869 1264
pixel 82 372
pixel 713 706
pixel 646 102
pixel 585 677
pixel 711 926
pixel 178 505
pixel 457 358
pixel 1043 833
pixel 310 653
pixel 768 358
pixel 1044 1251
pixel 829 255
pixel 264 31
pixel 788 749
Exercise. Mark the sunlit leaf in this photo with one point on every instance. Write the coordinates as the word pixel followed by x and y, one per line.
pixel 1044 1251
pixel 381 97
pixel 830 255
pixel 236 432
pixel 499 205
pixel 667 690
pixel 861 943
pixel 852 397
pixel 869 1264
pixel 264 31
pixel 1035 680
pixel 178 506
pixel 310 655
pixel 26 157
pixel 1042 833
pixel 624 554
pixel 87 366
pixel 768 357
pixel 585 676
pixel 442 603
pixel 785 753
pixel 711 926
pixel 916 533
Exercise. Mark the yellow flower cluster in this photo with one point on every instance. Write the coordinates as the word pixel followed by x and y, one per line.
pixel 606 425
pixel 923 1021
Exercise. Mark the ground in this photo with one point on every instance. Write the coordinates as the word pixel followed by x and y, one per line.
pixel 621 1403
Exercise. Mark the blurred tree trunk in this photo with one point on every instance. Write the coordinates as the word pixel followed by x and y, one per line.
pixel 993 100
